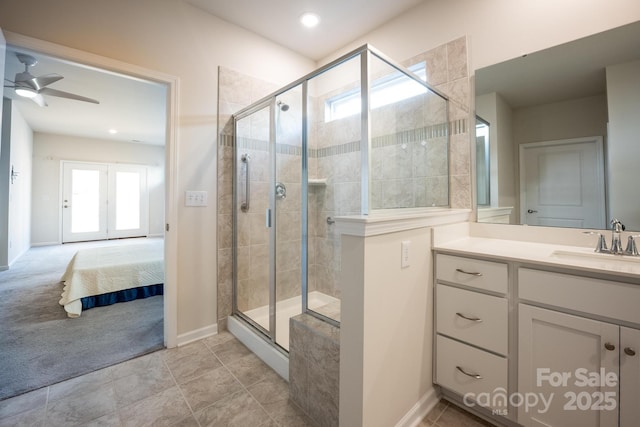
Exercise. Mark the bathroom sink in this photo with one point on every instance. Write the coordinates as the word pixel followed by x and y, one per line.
pixel 588 254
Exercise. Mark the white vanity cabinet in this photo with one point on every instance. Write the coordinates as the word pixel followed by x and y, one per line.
pixel 562 347
pixel 588 367
pixel 471 325
pixel 556 351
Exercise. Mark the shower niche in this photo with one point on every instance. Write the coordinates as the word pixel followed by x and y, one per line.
pixel 362 135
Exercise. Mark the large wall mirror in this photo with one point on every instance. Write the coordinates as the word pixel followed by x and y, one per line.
pixel 563 132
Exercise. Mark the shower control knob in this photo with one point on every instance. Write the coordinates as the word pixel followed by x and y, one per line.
pixel 281 191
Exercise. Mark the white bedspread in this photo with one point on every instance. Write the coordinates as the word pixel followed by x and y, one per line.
pixel 99 271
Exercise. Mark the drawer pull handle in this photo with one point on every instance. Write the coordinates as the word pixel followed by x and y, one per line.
pixel 609 346
pixel 629 351
pixel 459 270
pixel 476 376
pixel 472 319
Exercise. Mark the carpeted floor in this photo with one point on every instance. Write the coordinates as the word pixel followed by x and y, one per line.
pixel 40 345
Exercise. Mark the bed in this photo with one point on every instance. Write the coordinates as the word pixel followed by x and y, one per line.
pixel 107 275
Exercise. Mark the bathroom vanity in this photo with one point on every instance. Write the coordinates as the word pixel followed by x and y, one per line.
pixel 532 333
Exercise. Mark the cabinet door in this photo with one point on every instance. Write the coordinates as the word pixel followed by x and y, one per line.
pixel 629 377
pixel 570 362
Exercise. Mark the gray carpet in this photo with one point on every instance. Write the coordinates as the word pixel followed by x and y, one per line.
pixel 40 345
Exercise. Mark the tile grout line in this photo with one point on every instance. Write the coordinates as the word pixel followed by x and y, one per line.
pixel 243 386
pixel 184 398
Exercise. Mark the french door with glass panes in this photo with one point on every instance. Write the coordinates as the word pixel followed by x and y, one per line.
pixel 103 201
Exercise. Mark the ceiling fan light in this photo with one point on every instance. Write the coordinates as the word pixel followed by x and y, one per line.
pixel 26 92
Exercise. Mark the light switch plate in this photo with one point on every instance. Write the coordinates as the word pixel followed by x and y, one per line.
pixel 195 198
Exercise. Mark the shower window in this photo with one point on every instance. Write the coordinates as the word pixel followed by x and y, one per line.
pixel 386 90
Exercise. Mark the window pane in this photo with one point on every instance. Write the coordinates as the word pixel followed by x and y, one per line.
pixel 85 201
pixel 127 200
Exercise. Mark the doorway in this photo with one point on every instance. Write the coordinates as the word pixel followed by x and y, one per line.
pixel 103 201
pixel 562 183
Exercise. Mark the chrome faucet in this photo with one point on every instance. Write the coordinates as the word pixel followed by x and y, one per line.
pixel 617 228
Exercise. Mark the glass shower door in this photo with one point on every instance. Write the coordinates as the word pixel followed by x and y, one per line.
pixel 252 254
pixel 268 218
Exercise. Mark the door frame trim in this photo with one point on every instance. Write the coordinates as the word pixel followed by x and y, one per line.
pixel 600 170
pixel 171 155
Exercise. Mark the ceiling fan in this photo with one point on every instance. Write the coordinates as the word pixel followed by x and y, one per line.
pixel 29 86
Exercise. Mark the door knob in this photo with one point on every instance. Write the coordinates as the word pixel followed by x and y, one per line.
pixel 531 211
pixel 629 351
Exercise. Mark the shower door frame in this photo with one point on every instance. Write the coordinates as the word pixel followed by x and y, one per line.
pixel 270 221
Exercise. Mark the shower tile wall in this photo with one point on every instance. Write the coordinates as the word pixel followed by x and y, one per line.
pixel 448 72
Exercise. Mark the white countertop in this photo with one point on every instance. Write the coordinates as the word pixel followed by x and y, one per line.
pixel 575 257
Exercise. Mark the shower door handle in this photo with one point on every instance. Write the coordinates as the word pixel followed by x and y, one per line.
pixel 244 206
pixel 267 216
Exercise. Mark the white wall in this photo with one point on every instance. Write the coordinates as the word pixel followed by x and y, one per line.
pixel 623 151
pixel 561 120
pixel 385 337
pixel 498 29
pixel 175 38
pixel 49 150
pixel 20 190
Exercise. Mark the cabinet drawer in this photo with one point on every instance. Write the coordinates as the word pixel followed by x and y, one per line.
pixel 488 325
pixel 453 356
pixel 615 300
pixel 487 275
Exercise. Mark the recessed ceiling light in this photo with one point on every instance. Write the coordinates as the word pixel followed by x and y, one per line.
pixel 113 131
pixel 309 19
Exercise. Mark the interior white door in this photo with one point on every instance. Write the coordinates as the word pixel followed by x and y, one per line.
pixel 562 183
pixel 128 201
pixel 104 201
pixel 84 201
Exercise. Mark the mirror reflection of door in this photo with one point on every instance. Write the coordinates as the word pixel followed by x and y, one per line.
pixel 102 201
pixel 562 183
pixel 483 172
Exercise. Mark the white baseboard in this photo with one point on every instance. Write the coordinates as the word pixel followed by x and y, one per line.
pixel 417 413
pixel 4 267
pixel 33 245
pixel 198 334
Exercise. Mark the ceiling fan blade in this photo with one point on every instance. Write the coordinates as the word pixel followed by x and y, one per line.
pixel 39 99
pixel 42 81
pixel 61 94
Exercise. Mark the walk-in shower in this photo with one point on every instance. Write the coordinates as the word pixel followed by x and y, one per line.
pixel 358 136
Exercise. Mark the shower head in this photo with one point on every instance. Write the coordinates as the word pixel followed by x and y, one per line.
pixel 282 106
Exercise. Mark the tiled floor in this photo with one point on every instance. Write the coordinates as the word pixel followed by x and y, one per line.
pixel 213 382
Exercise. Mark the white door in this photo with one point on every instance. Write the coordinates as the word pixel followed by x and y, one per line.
pixel 84 201
pixel 562 183
pixel 556 351
pixel 629 376
pixel 128 198
pixel 102 201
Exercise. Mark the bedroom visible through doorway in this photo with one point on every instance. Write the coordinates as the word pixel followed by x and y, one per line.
pixel 104 201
